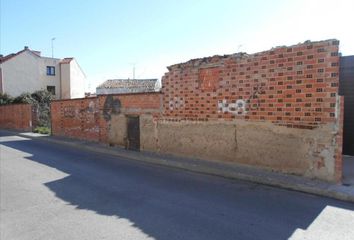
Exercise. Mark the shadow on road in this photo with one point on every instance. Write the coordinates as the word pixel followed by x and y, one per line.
pixel 172 204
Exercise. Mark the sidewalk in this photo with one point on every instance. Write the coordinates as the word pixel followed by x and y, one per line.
pixel 228 170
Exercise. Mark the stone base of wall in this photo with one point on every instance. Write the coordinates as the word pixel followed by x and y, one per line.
pixel 306 152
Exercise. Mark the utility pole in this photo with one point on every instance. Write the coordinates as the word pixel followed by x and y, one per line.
pixel 53 47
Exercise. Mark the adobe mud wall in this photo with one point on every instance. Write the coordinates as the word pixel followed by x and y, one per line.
pixel 17 117
pixel 297 151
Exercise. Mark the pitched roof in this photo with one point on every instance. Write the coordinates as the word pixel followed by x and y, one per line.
pixel 128 85
pixel 11 55
pixel 5 58
pixel 66 60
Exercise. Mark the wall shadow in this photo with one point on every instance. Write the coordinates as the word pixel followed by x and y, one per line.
pixel 348 170
pixel 171 204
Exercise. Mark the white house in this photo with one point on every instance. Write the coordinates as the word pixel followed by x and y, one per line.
pixel 28 71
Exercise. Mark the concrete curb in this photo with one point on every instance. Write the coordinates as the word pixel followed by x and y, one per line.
pixel 234 171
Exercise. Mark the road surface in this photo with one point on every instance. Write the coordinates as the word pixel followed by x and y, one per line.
pixel 50 191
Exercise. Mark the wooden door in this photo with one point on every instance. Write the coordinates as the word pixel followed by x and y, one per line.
pixel 133 133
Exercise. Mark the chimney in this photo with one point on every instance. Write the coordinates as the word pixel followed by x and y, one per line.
pixel 26 47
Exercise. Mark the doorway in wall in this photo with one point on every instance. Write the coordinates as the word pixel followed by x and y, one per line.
pixel 133 141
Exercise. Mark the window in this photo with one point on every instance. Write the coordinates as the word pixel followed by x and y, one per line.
pixel 50 71
pixel 51 89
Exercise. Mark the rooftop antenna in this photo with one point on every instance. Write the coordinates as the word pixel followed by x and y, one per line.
pixel 53 47
pixel 133 69
pixel 89 85
pixel 239 47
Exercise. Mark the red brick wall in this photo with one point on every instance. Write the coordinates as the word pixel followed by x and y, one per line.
pixel 75 118
pixel 141 102
pixel 295 86
pixel 16 116
pixel 284 87
pixel 89 118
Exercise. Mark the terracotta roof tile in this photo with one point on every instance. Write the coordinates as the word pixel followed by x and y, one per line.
pixel 127 86
pixel 66 60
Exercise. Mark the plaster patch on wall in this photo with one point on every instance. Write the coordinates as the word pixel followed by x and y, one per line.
pixel 91 107
pixel 176 102
pixel 112 106
pixel 69 111
pixel 237 108
pixel 325 165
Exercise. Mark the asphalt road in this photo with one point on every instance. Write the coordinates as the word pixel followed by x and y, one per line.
pixel 50 191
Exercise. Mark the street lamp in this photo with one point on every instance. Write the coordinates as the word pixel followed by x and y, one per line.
pixel 53 47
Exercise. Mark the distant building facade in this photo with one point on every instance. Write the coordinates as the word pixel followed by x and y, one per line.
pixel 28 71
pixel 116 86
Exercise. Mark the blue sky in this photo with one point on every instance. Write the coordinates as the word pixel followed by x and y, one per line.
pixel 109 37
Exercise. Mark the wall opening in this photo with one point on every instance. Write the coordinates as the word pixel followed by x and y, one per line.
pixel 133 141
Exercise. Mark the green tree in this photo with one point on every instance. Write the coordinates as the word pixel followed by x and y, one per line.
pixel 23 98
pixel 41 101
pixel 5 99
